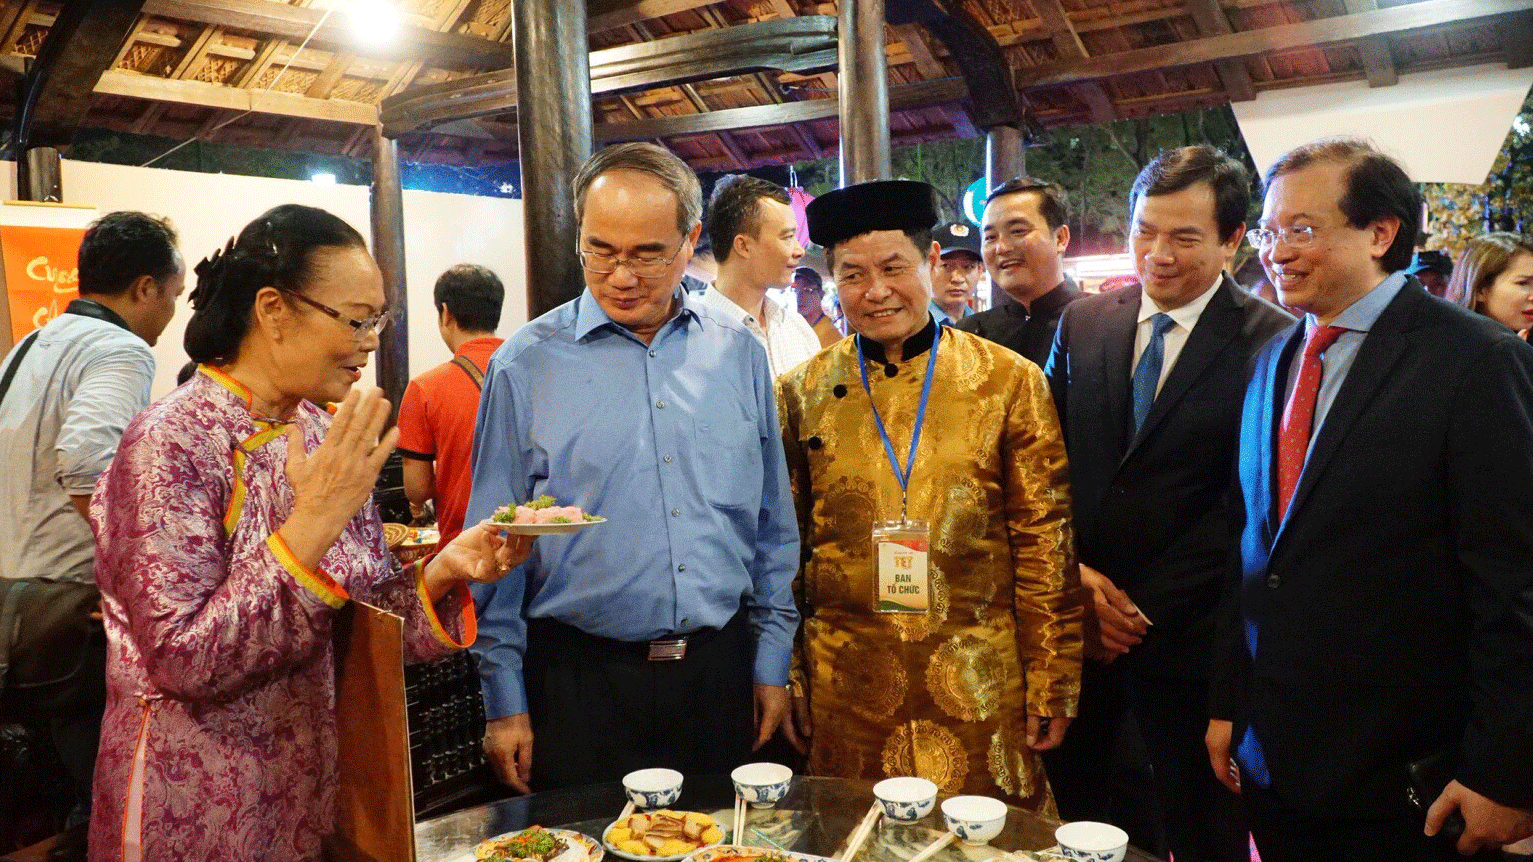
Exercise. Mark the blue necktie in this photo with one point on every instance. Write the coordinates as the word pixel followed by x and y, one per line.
pixel 1147 374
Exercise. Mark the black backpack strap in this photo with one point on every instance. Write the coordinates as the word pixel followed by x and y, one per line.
pixel 10 372
pixel 460 360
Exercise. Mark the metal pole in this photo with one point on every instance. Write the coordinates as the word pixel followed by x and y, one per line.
pixel 388 215
pixel 1005 155
pixel 864 92
pixel 39 176
pixel 553 129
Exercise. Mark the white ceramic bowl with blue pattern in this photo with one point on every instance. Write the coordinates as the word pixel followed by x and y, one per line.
pixel 763 785
pixel 653 788
pixel 1092 842
pixel 974 819
pixel 906 799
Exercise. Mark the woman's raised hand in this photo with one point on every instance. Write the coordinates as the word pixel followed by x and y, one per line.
pixel 332 483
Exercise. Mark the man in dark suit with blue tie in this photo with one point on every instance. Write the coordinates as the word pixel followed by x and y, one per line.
pixel 1384 616
pixel 1148 380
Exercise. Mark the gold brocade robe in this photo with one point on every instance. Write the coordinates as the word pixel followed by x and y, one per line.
pixel 945 694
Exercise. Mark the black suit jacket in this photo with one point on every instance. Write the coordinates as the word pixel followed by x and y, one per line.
pixel 1391 614
pixel 1154 512
pixel 1023 329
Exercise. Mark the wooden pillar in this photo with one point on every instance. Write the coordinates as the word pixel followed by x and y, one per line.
pixel 388 217
pixel 39 176
pixel 553 129
pixel 1005 155
pixel 864 93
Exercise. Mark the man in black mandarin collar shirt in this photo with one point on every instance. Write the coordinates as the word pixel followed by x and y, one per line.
pixel 1024 242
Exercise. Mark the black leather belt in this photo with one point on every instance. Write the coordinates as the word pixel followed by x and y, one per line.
pixel 673 647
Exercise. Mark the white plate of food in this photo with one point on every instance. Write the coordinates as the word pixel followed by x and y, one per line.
pixel 662 836
pixel 743 853
pixel 541 517
pixel 537 844
pixel 559 528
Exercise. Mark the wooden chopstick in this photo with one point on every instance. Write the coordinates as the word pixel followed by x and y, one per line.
pixel 860 834
pixel 740 808
pixel 932 848
pixel 627 811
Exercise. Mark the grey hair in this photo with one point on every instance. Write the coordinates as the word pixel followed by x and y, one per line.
pixel 659 163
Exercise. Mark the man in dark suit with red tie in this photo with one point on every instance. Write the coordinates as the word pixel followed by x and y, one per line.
pixel 1384 616
pixel 1148 381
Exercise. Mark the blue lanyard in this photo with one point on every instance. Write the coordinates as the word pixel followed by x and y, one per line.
pixel 915 437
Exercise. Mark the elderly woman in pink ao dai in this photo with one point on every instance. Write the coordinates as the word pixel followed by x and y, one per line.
pixel 233 523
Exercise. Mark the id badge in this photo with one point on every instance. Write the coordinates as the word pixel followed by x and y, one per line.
pixel 902 582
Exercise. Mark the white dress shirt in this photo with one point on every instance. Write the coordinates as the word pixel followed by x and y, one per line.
pixel 788 338
pixel 73 394
pixel 1175 338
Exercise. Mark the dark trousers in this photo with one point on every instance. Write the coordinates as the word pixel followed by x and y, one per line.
pixel 71 723
pixel 1183 809
pixel 1282 836
pixel 601 709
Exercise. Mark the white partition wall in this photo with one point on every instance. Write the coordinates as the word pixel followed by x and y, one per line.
pixel 1445 126
pixel 207 209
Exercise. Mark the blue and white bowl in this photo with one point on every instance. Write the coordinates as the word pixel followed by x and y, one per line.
pixel 1092 842
pixel 763 785
pixel 906 799
pixel 974 819
pixel 653 788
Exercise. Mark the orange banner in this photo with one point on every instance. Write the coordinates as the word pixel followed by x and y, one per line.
pixel 41 274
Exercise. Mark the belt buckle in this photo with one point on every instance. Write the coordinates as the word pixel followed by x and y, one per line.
pixel 674 649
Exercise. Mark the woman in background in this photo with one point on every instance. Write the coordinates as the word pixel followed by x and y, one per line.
pixel 234 522
pixel 1494 277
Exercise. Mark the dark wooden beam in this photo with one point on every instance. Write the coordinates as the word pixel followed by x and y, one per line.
pixel 258 64
pixel 1378 61
pixel 1211 20
pixel 986 71
pixel 228 98
pixel 146 121
pixel 1517 42
pixel 124 45
pixel 324 84
pixel 926 62
pixel 612 14
pixel 405 73
pixel 725 140
pixel 903 97
pixel 196 53
pixel 797 44
pixel 448 50
pixel 1305 34
pixel 13 23
pixel 921 54
pixel 213 123
pixel 81 45
pixel 357 141
pixel 806 139
pixel 1068 44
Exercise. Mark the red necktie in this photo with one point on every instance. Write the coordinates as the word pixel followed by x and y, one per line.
pixel 1299 417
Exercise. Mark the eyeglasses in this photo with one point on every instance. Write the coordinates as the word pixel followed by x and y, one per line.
pixel 1293 237
pixel 641 267
pixel 360 329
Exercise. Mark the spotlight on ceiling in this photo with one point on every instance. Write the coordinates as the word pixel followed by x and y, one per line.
pixel 374 21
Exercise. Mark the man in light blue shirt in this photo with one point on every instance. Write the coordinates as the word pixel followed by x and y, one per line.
pixel 661 637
